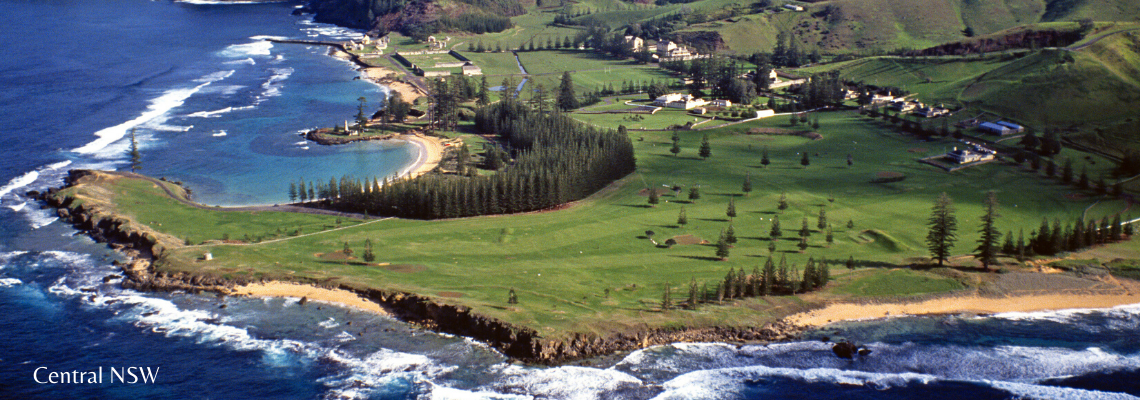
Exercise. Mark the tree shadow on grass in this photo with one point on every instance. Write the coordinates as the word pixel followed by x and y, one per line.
pixel 636 205
pixel 671 156
pixel 699 258
pixel 712 219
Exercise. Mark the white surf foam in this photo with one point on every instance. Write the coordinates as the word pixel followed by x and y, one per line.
pixel 58 165
pixel 216 76
pixel 1029 391
pixel 18 207
pixel 249 61
pixel 385 368
pixel 333 32
pixel 1066 316
pixel 38 218
pixel 18 182
pixel 267 37
pixel 716 383
pixel 8 256
pixel 219 134
pixel 246 50
pixel 158 108
pixel 272 87
pixel 329 323
pixel 568 382
pixel 159 127
pixel 9 282
pixel 218 113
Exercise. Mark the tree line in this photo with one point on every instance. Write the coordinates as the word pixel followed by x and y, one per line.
pixel 1047 240
pixel 773 279
pixel 556 160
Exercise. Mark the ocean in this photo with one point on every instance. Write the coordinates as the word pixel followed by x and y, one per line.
pixel 216 106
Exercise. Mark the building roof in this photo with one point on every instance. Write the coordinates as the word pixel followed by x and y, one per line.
pixel 993 126
pixel 1009 125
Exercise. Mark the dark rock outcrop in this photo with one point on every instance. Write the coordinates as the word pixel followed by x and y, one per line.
pixel 849 350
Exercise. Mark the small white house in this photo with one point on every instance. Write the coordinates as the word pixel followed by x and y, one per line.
pixel 677 100
pixel 472 69
pixel 722 103
pixel 965 156
pixel 793 7
pixel 635 43
pixel 664 47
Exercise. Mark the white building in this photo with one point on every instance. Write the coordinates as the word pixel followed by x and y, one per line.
pixel 635 43
pixel 664 47
pixel 472 69
pixel 722 103
pixel 677 100
pixel 931 111
pixel 973 154
pixel 793 7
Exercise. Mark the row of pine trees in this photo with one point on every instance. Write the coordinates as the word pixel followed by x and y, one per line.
pixel 557 160
pixel 1051 240
pixel 773 279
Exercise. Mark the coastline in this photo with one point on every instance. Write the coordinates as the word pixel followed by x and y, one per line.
pixel 381 76
pixel 339 297
pixel 429 157
pixel 386 77
pixel 519 342
pixel 959 305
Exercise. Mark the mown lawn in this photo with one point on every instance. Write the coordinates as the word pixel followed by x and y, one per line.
pixel 592 268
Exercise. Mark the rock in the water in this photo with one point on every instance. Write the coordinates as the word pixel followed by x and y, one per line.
pixel 845 349
pixel 303 300
pixel 864 351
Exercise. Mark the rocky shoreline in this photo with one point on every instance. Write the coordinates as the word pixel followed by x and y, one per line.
pixel 322 138
pixel 144 247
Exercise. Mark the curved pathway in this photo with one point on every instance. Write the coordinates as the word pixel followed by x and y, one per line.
pixel 1097 39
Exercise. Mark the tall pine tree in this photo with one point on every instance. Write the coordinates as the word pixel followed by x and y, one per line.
pixel 988 243
pixel 943 225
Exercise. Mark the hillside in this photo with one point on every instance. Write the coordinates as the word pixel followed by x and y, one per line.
pixel 861 26
pixel 418 17
pixel 837 26
pixel 1054 87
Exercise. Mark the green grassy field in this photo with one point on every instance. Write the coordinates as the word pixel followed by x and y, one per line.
pixel 665 118
pixel 590 268
pixel 898 282
pixel 494 63
pixel 1046 88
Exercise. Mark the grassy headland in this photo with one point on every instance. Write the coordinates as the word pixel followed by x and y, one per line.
pixel 590 269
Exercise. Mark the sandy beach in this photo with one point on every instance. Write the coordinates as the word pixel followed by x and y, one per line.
pixel 336 296
pixel 961 305
pixel 430 154
pixel 387 77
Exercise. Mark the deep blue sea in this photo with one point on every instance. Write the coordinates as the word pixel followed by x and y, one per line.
pixel 218 107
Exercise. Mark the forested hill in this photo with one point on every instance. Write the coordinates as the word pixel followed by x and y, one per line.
pixel 418 17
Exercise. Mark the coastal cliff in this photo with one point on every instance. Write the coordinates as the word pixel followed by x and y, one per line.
pixel 146 248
